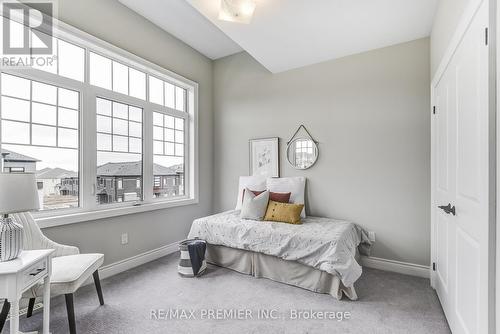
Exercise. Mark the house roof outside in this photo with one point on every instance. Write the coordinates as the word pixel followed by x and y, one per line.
pixel 108 169
pixel 55 173
pixel 134 169
pixel 17 157
pixel 178 168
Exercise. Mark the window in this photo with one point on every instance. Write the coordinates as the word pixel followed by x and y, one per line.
pixel 167 94
pixel 155 90
pixel 13 170
pixel 157 182
pixel 168 150
pixel 119 149
pixel 69 59
pixel 112 75
pixel 39 125
pixel 126 124
pixel 100 71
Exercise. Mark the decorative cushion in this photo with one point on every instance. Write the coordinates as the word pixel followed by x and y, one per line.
pixel 68 274
pixel 252 182
pixel 254 206
pixel 277 197
pixel 295 185
pixel 284 212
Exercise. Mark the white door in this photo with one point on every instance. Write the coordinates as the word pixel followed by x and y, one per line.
pixel 460 174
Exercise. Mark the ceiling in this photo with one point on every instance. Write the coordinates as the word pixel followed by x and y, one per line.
pixel 287 34
pixel 182 21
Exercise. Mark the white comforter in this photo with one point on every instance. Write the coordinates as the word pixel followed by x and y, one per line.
pixel 322 243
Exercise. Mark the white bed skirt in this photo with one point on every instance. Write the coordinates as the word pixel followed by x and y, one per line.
pixel 271 267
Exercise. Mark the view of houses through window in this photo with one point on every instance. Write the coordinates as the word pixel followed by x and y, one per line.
pixel 168 155
pixel 119 152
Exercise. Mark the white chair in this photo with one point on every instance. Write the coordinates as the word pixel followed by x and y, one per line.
pixel 70 269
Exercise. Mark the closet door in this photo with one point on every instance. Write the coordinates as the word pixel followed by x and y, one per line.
pixel 461 198
pixel 445 188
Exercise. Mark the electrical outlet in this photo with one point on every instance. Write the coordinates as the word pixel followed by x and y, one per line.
pixel 371 236
pixel 124 238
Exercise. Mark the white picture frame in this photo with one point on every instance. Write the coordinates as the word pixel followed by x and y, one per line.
pixel 264 157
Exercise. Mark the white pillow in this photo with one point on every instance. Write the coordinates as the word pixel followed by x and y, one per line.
pixel 257 183
pixel 294 185
pixel 254 207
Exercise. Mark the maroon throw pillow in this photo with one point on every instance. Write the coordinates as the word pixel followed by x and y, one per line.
pixel 280 197
pixel 276 197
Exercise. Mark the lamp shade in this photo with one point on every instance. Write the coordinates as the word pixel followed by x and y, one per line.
pixel 18 193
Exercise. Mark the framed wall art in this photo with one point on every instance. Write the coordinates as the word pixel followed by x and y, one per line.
pixel 264 157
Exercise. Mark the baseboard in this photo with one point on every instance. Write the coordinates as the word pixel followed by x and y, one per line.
pixel 396 266
pixel 135 261
pixel 367 261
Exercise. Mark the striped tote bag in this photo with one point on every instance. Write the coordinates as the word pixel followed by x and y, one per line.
pixel 190 266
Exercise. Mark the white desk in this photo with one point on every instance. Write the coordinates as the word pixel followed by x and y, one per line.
pixel 18 275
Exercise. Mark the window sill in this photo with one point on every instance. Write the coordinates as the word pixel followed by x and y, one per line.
pixel 77 217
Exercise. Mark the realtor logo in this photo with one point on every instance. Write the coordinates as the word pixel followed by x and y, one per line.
pixel 27 34
pixel 26 30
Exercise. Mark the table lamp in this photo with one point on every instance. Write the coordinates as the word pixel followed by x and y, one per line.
pixel 18 193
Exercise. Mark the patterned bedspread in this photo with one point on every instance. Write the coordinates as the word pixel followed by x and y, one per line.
pixel 322 243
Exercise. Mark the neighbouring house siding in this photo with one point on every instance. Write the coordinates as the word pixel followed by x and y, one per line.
pixel 116 188
pixel 28 167
pixel 168 185
pixel 69 186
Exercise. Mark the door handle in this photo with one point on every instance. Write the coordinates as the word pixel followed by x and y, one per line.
pixel 448 209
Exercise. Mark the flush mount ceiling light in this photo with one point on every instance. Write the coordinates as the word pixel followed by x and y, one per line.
pixel 240 11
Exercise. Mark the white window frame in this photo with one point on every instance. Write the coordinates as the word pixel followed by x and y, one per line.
pixel 89 209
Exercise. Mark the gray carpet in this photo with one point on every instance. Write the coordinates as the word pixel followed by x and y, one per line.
pixel 388 303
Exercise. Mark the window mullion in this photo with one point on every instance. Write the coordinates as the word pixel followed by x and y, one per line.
pixel 187 152
pixel 192 166
pixel 89 149
pixel 147 153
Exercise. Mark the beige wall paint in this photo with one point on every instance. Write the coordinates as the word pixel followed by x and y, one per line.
pixel 447 16
pixel 370 113
pixel 116 24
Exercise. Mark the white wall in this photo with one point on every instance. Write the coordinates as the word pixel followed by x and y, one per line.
pixel 370 113
pixel 447 16
pixel 116 24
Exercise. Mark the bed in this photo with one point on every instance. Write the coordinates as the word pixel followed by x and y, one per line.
pixel 319 255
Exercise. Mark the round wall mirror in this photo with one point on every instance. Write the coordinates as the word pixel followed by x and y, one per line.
pixel 302 153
